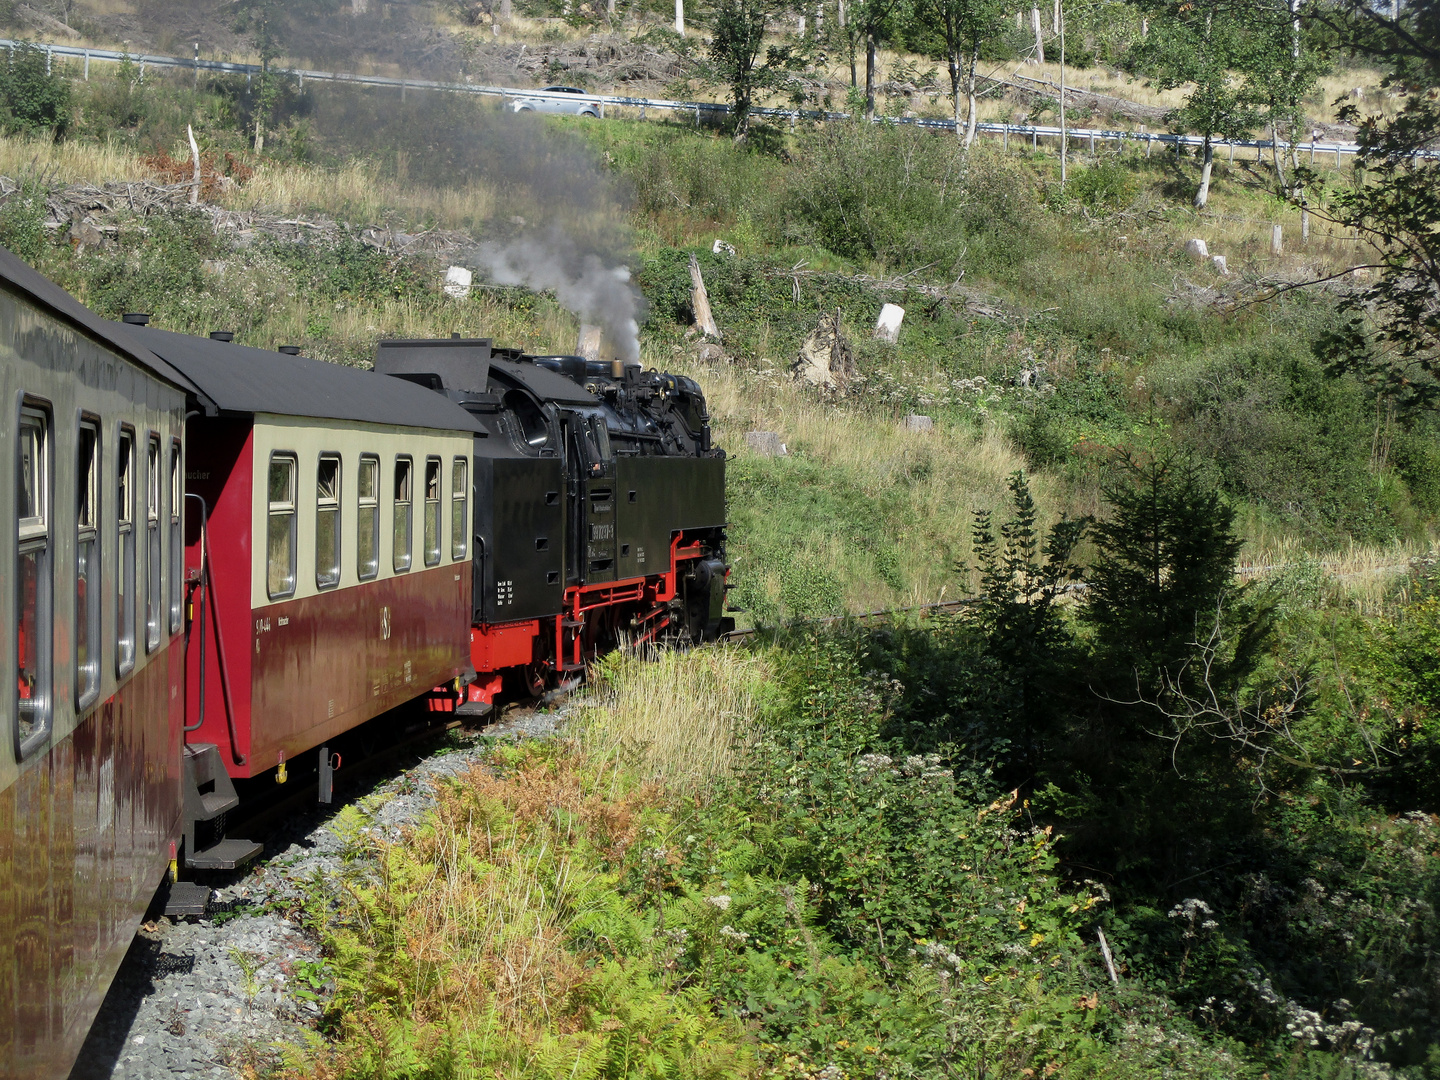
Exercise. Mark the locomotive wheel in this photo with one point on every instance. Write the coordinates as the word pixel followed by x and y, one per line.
pixel 536 676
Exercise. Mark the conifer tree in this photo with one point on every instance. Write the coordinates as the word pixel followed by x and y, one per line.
pixel 1165 566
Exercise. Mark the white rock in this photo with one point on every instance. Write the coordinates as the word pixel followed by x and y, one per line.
pixel 1218 262
pixel 720 247
pixel 1196 249
pixel 887 327
pixel 915 422
pixel 457 282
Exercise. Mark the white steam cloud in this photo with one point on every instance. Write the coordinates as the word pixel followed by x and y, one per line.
pixel 584 284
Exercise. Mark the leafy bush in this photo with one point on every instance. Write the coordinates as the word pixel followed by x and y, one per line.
pixel 31 97
pixel 22 222
pixel 1104 186
pixel 900 196
pixel 1283 434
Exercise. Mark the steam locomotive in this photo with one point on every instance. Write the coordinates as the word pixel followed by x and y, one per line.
pixel 225 558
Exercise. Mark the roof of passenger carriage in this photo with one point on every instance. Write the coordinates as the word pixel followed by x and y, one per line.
pixel 50 297
pixel 240 379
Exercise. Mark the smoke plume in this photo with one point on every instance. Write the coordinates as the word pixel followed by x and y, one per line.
pixel 585 283
pixel 553 215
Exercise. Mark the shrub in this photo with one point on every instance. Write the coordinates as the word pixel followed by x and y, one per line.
pixel 32 98
pixel 1105 186
pixel 22 222
pixel 902 196
pixel 1281 433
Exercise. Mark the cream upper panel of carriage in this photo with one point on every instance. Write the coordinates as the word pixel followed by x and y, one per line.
pixel 336 504
pixel 67 399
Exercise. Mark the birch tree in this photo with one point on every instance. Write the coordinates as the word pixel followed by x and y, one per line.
pixel 964 26
pixel 1280 69
pixel 740 59
pixel 1201 46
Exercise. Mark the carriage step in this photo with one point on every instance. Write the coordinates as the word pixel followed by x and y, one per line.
pixel 226 855
pixel 187 898
pixel 217 803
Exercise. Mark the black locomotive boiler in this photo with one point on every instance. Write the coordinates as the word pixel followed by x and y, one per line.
pixel 600 506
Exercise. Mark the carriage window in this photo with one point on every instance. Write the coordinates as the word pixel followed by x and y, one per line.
pixel 177 540
pixel 459 526
pixel 432 511
pixel 125 553
pixel 280 533
pixel 367 524
pixel 87 570
pixel 32 582
pixel 154 596
pixel 403 469
pixel 327 522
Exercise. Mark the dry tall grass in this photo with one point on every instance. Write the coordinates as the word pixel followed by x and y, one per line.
pixel 678 718
pixel 357 192
pixel 70 162
pixel 1369 577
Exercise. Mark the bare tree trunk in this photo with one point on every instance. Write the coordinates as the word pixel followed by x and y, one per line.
pixel 680 17
pixel 972 107
pixel 1039 38
pixel 1275 155
pixel 840 18
pixel 700 302
pixel 869 76
pixel 1055 19
pixel 195 157
pixel 1064 133
pixel 955 92
pixel 1202 195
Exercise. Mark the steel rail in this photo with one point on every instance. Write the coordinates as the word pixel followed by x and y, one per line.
pixel 830 620
pixel 710 109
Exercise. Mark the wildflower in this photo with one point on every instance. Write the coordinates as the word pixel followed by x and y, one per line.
pixel 721 902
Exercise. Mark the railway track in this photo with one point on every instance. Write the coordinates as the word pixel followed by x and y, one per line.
pixel 829 620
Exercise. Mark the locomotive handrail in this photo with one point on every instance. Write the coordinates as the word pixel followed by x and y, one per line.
pixel 204 523
pixel 207 585
pixel 711 108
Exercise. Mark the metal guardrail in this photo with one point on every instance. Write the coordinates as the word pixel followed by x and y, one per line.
pixel 709 109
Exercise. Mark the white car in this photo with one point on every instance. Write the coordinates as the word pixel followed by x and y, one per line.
pixel 556 105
